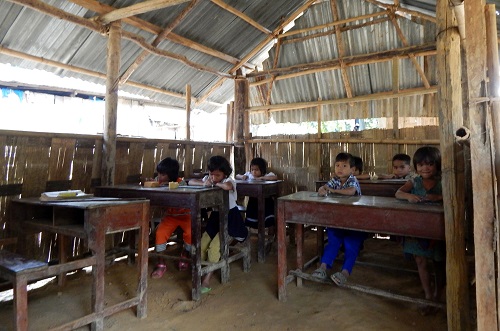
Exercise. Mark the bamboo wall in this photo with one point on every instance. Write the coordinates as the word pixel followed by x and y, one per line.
pixel 302 160
pixel 33 163
pixel 37 162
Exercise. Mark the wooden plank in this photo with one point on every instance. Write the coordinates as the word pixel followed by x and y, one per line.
pixel 11 189
pixel 481 159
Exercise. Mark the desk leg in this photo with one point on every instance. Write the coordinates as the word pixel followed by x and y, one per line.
pixel 63 257
pixel 96 244
pixel 282 265
pixel 143 263
pixel 299 236
pixel 195 254
pixel 224 237
pixel 261 216
pixel 20 303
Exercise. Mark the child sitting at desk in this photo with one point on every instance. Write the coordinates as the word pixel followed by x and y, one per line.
pixel 219 171
pixel 168 171
pixel 426 187
pixel 258 171
pixel 343 183
pixel 358 169
pixel 400 168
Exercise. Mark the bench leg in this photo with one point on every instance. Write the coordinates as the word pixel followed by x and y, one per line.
pixel 20 285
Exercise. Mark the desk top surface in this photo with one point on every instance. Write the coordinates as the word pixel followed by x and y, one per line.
pixel 163 189
pixel 82 203
pixel 372 182
pixel 257 182
pixel 363 201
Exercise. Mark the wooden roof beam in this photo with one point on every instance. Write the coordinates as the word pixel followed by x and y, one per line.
pixel 411 56
pixel 100 8
pixel 140 59
pixel 401 11
pixel 136 9
pixel 101 29
pixel 341 48
pixel 261 45
pixel 307 68
pixel 241 15
pixel 59 65
pixel 360 98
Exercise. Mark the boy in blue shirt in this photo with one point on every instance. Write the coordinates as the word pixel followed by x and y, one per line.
pixel 343 183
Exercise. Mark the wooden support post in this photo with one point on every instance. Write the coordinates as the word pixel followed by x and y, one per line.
pixel 494 91
pixel 483 182
pixel 450 118
pixel 188 159
pixel 111 104
pixel 241 151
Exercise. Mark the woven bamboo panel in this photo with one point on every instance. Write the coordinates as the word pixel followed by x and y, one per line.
pixel 121 162
pixel 61 156
pixel 83 164
pixel 148 160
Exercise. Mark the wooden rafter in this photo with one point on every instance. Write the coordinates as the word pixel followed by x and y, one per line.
pixel 361 98
pixel 260 46
pixel 55 64
pixel 140 59
pixel 136 9
pixel 331 25
pixel 97 27
pixel 341 48
pixel 308 68
pixel 244 17
pixel 332 31
pixel 401 11
pixel 154 29
pixel 404 41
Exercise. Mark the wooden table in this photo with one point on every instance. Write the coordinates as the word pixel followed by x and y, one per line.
pixel 90 219
pixel 260 190
pixel 379 187
pixel 194 198
pixel 363 213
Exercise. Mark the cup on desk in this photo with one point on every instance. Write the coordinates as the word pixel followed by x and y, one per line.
pixel 173 185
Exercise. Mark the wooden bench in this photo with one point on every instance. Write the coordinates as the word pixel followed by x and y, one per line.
pixel 20 270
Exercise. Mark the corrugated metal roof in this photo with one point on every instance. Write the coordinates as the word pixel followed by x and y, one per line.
pixel 38 34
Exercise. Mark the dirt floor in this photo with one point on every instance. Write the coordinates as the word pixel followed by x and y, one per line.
pixel 249 301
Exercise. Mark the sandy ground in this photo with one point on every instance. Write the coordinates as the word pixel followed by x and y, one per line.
pixel 249 301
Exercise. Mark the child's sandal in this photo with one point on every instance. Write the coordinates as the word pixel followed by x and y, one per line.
pixel 183 265
pixel 159 270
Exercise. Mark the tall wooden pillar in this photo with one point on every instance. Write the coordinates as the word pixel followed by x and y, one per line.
pixel 241 148
pixel 188 159
pixel 449 98
pixel 111 104
pixel 483 181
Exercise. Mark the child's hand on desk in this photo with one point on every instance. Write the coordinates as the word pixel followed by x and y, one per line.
pixel 322 191
pixel 415 198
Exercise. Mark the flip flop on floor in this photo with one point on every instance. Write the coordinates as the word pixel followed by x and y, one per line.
pixel 205 290
pixel 339 278
pixel 319 274
pixel 158 271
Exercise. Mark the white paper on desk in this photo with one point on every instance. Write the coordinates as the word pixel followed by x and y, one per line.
pixel 61 195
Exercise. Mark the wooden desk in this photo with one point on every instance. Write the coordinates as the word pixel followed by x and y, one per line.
pixel 363 213
pixel 90 219
pixel 194 198
pixel 379 187
pixel 260 190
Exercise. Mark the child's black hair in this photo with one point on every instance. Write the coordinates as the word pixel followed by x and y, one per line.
pixel 358 163
pixel 428 154
pixel 220 163
pixel 402 157
pixel 345 157
pixel 261 163
pixel 170 167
